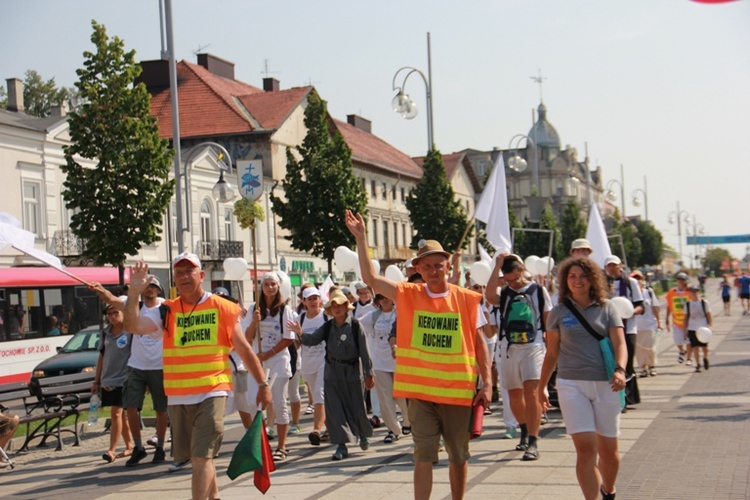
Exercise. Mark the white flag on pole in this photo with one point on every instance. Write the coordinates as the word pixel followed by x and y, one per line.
pixel 597 236
pixel 492 208
pixel 325 288
pixel 485 256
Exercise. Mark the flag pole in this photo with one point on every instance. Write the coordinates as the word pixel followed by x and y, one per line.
pixel 463 237
pixel 71 275
pixel 255 286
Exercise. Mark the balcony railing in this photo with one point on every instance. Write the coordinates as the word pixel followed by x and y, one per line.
pixel 67 244
pixel 215 250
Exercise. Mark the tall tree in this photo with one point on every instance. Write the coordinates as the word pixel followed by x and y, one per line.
pixel 318 187
pixel 572 225
pixel 718 261
pixel 535 243
pixel 434 211
pixel 652 243
pixel 122 199
pixel 626 230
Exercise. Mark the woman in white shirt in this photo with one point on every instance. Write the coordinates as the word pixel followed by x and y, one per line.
pixel 648 324
pixel 314 360
pixel 271 347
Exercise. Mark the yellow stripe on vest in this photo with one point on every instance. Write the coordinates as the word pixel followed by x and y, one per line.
pixel 197 367
pixel 443 359
pixel 197 351
pixel 434 391
pixel 436 374
pixel 201 382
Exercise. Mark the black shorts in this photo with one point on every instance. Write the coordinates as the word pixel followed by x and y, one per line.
pixel 694 342
pixel 745 296
pixel 112 398
pixel 726 298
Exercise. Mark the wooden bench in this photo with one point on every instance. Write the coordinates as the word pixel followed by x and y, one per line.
pixel 52 399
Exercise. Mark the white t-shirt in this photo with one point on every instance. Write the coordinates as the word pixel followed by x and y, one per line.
pixel 697 318
pixel 272 331
pixel 481 320
pixel 491 341
pixel 147 349
pixel 647 320
pixel 313 356
pixel 377 333
pixel 631 287
pixel 360 310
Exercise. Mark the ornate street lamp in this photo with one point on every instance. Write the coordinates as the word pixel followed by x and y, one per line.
pixel 403 104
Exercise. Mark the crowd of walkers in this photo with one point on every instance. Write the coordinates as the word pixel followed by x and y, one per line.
pixel 417 357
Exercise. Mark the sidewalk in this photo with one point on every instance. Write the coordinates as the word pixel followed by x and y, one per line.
pixel 689 438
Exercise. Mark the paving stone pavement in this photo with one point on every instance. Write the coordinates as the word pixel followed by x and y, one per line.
pixel 687 439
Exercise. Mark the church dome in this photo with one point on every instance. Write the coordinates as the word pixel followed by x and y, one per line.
pixel 543 133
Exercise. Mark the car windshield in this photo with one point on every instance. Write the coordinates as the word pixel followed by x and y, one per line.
pixel 87 340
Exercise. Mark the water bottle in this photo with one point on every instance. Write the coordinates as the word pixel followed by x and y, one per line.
pixel 94 410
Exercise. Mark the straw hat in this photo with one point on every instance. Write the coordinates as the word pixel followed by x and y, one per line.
pixel 337 297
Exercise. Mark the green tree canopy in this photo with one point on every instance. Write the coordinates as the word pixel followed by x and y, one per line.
pixel 122 199
pixel 535 243
pixel 572 225
pixel 39 96
pixel 319 187
pixel 434 211
pixel 652 243
pixel 716 258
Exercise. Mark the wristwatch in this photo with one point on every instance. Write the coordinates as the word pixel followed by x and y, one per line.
pixel 263 384
pixel 619 368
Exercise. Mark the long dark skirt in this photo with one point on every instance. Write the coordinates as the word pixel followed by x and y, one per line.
pixel 632 395
pixel 346 415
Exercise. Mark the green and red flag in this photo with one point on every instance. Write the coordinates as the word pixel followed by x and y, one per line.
pixel 253 453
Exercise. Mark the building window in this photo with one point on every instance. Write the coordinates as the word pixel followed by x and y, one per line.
pixel 364 185
pixel 385 235
pixel 482 168
pixel 403 229
pixel 403 195
pixel 395 234
pixel 228 233
pixel 372 188
pixel 32 209
pixel 374 232
pixel 206 221
pixel 385 191
pixel 173 222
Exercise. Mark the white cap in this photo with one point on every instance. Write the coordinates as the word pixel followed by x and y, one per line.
pixel 190 257
pixel 612 259
pixel 310 292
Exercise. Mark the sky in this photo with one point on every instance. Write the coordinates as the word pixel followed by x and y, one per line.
pixel 661 87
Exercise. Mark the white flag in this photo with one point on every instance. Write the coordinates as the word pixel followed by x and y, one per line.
pixel 325 287
pixel 11 235
pixel 597 236
pixel 485 256
pixel 492 208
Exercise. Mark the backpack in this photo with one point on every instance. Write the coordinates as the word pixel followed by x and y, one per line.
pixel 520 316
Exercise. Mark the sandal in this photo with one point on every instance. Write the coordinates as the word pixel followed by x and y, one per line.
pixel 391 437
pixel 280 454
pixel 310 410
pixel 125 453
pixel 406 429
pixel 314 438
pixel 108 457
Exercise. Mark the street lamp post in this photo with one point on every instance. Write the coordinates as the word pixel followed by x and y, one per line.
pixel 405 106
pixel 698 229
pixel 678 215
pixel 223 192
pixel 637 200
pixel 612 196
pixel 535 200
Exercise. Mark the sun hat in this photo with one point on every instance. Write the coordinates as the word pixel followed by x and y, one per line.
pixel 429 247
pixel 337 297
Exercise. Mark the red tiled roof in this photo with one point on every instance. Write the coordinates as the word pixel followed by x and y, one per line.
pixel 210 104
pixel 372 150
pixel 270 109
pixel 451 163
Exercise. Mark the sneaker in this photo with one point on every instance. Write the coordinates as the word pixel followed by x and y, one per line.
pixel 154 441
pixel 532 453
pixel 681 358
pixel 705 363
pixel 511 433
pixel 487 411
pixel 271 432
pixel 652 372
pixel 294 429
pixel 178 465
pixel 139 453
pixel 375 422
pixel 341 453
pixel 689 362
pixel 698 368
pixel 310 410
pixel 643 374
pixel 364 444
pixel 159 456
pixel 544 419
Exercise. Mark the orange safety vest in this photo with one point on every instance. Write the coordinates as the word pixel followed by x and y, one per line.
pixel 436 352
pixel 676 301
pixel 197 343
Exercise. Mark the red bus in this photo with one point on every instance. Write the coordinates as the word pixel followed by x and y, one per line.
pixel 40 308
